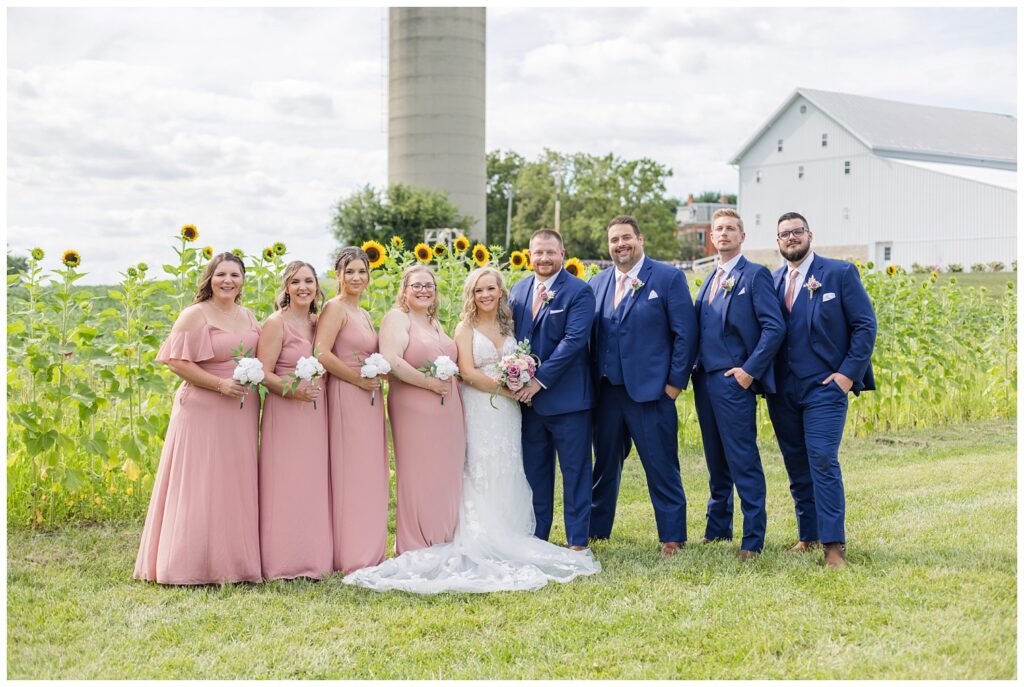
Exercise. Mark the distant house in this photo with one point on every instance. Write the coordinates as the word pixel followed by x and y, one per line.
pixel 884 181
pixel 694 219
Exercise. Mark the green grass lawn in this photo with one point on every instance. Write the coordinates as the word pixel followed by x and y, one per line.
pixel 930 593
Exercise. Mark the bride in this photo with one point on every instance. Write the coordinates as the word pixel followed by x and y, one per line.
pixel 494 548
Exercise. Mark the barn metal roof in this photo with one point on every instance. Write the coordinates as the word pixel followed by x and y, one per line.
pixel 913 132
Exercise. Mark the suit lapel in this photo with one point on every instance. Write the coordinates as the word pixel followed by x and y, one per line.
pixel 606 291
pixel 737 274
pixel 525 308
pixel 633 295
pixel 556 286
pixel 818 272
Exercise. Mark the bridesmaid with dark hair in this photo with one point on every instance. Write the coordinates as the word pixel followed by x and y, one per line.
pixel 202 526
pixel 295 511
pixel 358 436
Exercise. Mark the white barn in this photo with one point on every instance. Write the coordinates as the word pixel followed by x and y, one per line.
pixel 884 181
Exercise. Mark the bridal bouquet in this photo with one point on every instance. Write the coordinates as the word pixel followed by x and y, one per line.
pixel 308 369
pixel 443 367
pixel 248 371
pixel 374 365
pixel 517 369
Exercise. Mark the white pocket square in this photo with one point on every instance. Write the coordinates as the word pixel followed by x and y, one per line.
pixel 742 291
pixel 828 296
pixel 652 295
pixel 555 312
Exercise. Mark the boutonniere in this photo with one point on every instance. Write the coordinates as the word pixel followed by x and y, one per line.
pixel 636 284
pixel 728 284
pixel 812 285
pixel 548 297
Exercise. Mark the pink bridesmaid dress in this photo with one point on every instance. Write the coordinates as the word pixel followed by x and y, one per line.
pixel 430 448
pixel 359 455
pixel 202 526
pixel 295 508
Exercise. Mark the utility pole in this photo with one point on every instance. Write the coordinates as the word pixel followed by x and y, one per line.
pixel 558 197
pixel 509 191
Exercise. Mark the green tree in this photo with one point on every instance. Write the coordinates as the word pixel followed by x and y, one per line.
pixel 503 170
pixel 714 197
pixel 595 189
pixel 398 210
pixel 16 264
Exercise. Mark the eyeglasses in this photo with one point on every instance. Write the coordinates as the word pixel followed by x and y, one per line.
pixel 422 287
pixel 783 235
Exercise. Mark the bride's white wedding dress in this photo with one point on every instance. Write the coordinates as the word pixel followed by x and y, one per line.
pixel 494 548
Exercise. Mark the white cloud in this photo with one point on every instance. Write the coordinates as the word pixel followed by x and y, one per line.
pixel 124 124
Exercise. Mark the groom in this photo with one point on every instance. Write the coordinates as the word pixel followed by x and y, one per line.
pixel 555 310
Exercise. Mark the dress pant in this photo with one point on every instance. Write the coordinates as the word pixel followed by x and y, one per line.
pixel 727 414
pixel 619 421
pixel 809 417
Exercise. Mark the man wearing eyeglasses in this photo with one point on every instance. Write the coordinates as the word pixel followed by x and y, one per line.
pixel 827 353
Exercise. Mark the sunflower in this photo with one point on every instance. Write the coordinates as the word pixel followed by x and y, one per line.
pixel 238 252
pixel 935 275
pixel 189 232
pixel 397 242
pixel 423 252
pixel 481 256
pixel 268 253
pixel 461 244
pixel 142 267
pixel 376 253
pixel 574 267
pixel 439 249
pixel 72 258
pixel 891 270
pixel 132 272
pixel 516 260
pixel 207 252
pixel 279 248
pixel 38 254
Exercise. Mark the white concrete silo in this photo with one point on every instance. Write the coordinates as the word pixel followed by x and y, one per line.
pixel 436 89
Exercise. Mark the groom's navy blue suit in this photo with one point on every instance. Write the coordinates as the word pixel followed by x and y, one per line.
pixel 831 330
pixel 648 341
pixel 559 420
pixel 742 327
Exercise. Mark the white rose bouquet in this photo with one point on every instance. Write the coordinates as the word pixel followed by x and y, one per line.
pixel 308 369
pixel 248 371
pixel 443 367
pixel 374 365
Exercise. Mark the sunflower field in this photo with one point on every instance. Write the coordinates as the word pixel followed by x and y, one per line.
pixel 88 405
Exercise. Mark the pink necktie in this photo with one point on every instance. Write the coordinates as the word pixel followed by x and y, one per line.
pixel 620 290
pixel 791 291
pixel 538 299
pixel 715 285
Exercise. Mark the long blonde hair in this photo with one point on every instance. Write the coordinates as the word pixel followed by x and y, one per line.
pixel 469 309
pixel 407 273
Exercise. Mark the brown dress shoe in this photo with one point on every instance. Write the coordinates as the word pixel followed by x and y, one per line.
pixel 835 555
pixel 803 546
pixel 578 548
pixel 745 555
pixel 669 549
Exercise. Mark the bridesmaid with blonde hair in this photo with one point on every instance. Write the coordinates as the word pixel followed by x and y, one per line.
pixel 295 515
pixel 202 526
pixel 427 423
pixel 358 436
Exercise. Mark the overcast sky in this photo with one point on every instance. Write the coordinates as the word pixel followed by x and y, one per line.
pixel 251 123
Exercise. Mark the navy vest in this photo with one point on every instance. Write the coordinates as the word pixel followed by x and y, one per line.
pixel 797 353
pixel 612 357
pixel 714 355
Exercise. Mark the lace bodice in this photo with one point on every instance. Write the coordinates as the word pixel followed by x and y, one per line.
pixel 486 356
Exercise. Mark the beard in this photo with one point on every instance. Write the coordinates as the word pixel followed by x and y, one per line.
pixel 796 253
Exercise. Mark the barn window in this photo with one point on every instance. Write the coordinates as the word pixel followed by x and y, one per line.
pixel 780 145
pixel 824 140
pixel 757 176
pixel 846 213
pixel 757 220
pixel 800 172
pixel 887 257
pixel 846 167
pixel 803 109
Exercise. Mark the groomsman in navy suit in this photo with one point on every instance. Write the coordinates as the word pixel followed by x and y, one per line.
pixel 555 311
pixel 644 342
pixel 827 354
pixel 741 329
